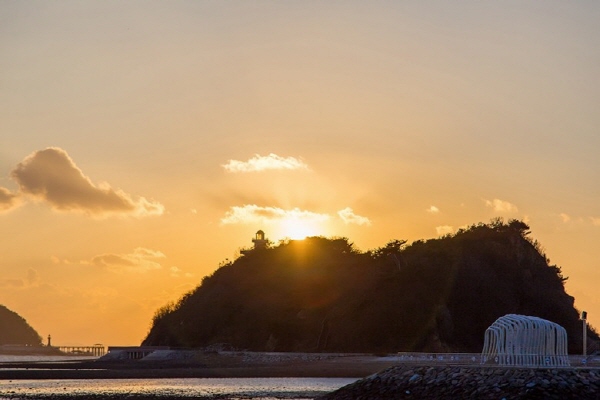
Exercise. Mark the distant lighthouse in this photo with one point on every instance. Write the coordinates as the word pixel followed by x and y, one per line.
pixel 49 340
pixel 260 242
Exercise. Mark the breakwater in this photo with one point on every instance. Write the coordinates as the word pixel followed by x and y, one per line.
pixel 445 382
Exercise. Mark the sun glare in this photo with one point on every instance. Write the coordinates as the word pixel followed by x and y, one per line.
pixel 298 230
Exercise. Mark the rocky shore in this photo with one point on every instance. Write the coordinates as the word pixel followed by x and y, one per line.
pixel 439 383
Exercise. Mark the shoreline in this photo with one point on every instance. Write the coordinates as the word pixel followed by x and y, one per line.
pixel 380 376
pixel 201 365
pixel 227 364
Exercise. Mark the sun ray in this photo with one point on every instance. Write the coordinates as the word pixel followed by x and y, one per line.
pixel 297 229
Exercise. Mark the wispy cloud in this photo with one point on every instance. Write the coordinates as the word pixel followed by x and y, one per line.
pixel 262 163
pixel 32 279
pixel 253 214
pixel 595 221
pixel 8 200
pixel 501 206
pixel 141 260
pixel 444 230
pixel 50 175
pixel 177 273
pixel 12 283
pixel 565 217
pixel 433 210
pixel 349 217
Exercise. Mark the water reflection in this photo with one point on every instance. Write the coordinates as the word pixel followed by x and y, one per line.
pixel 255 388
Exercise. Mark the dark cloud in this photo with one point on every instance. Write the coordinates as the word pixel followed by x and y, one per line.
pixel 52 176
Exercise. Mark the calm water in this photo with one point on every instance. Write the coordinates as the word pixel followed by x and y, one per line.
pixel 233 388
pixel 247 388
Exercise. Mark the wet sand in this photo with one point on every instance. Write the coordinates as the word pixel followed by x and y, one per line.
pixel 201 365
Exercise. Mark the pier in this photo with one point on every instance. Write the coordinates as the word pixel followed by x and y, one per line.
pixel 96 350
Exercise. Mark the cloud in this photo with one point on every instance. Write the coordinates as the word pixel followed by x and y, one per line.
pixel 349 217
pixel 433 210
pixel 595 221
pixel 12 283
pixel 32 277
pixel 51 175
pixel 141 260
pixel 8 200
pixel 31 280
pixel 177 273
pixel 565 217
pixel 262 163
pixel 253 214
pixel 444 230
pixel 501 206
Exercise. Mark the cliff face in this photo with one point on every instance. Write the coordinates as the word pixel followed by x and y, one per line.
pixel 323 295
pixel 15 330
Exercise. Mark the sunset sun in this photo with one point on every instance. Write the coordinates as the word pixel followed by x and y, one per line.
pixel 297 230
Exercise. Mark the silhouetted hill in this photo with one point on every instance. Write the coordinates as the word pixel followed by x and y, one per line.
pixel 15 330
pixel 321 294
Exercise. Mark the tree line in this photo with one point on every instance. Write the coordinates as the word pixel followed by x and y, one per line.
pixel 323 295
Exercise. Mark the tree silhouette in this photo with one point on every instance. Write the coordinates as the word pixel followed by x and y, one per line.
pixel 322 294
pixel 15 330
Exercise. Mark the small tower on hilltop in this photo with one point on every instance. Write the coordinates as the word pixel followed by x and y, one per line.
pixel 259 240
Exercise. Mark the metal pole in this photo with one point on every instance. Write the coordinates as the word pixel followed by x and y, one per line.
pixel 584 320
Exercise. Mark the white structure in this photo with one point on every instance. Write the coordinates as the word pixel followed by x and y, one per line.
pixel 519 340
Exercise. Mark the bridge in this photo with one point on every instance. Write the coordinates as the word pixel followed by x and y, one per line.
pixel 96 350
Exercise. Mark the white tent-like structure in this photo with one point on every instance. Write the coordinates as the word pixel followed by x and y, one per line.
pixel 520 340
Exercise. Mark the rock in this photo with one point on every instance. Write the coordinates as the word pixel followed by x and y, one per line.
pixel 442 383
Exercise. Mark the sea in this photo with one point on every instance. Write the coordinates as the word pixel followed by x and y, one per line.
pixel 207 388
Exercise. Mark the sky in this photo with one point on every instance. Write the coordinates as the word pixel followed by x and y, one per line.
pixel 143 143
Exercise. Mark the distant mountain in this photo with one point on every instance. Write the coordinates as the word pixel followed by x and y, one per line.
pixel 322 294
pixel 15 330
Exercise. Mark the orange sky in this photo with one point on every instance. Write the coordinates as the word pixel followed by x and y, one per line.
pixel 141 144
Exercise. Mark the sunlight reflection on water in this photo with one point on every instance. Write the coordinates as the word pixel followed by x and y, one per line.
pixel 255 388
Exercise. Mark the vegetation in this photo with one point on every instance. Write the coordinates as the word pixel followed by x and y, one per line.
pixel 322 294
pixel 15 330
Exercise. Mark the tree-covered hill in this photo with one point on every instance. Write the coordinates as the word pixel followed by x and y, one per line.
pixel 322 294
pixel 15 330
